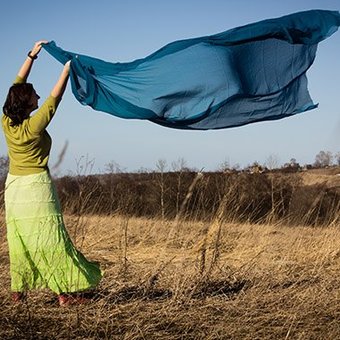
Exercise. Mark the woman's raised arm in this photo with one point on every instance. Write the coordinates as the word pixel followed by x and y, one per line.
pixel 31 56
pixel 59 87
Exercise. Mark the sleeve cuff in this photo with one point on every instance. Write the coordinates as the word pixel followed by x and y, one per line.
pixel 19 80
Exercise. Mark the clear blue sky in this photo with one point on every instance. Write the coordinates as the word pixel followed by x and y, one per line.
pixel 121 31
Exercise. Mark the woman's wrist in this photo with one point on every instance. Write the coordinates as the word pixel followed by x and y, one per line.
pixel 33 57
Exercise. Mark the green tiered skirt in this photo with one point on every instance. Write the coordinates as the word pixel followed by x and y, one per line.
pixel 41 252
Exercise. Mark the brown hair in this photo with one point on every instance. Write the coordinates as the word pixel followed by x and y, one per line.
pixel 18 102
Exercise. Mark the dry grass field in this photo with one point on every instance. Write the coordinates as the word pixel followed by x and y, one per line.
pixel 190 280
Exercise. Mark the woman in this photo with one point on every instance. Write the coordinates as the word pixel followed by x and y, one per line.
pixel 41 252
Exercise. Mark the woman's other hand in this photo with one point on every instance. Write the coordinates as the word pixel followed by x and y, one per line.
pixel 67 66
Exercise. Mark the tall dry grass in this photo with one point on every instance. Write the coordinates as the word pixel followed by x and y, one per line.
pixel 186 278
pixel 266 282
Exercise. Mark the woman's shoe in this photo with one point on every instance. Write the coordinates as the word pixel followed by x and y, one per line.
pixel 72 299
pixel 18 297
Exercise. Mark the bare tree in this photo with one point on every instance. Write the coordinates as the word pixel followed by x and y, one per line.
pixel 114 168
pixel 227 167
pixel 272 162
pixel 323 159
pixel 84 165
pixel 292 164
pixel 337 158
pixel 161 166
pixel 224 166
pixel 179 166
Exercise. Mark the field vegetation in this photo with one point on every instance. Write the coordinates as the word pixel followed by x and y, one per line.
pixel 191 255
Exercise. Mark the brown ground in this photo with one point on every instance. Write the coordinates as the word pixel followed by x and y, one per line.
pixel 330 177
pixel 190 281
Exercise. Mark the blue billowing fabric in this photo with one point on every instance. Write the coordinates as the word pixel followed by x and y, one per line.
pixel 247 74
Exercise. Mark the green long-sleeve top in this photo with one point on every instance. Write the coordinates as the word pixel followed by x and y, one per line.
pixel 29 144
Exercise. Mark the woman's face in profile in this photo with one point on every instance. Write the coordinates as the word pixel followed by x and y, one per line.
pixel 34 100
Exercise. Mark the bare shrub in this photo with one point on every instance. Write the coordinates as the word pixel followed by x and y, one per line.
pixel 274 197
pixel 315 205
